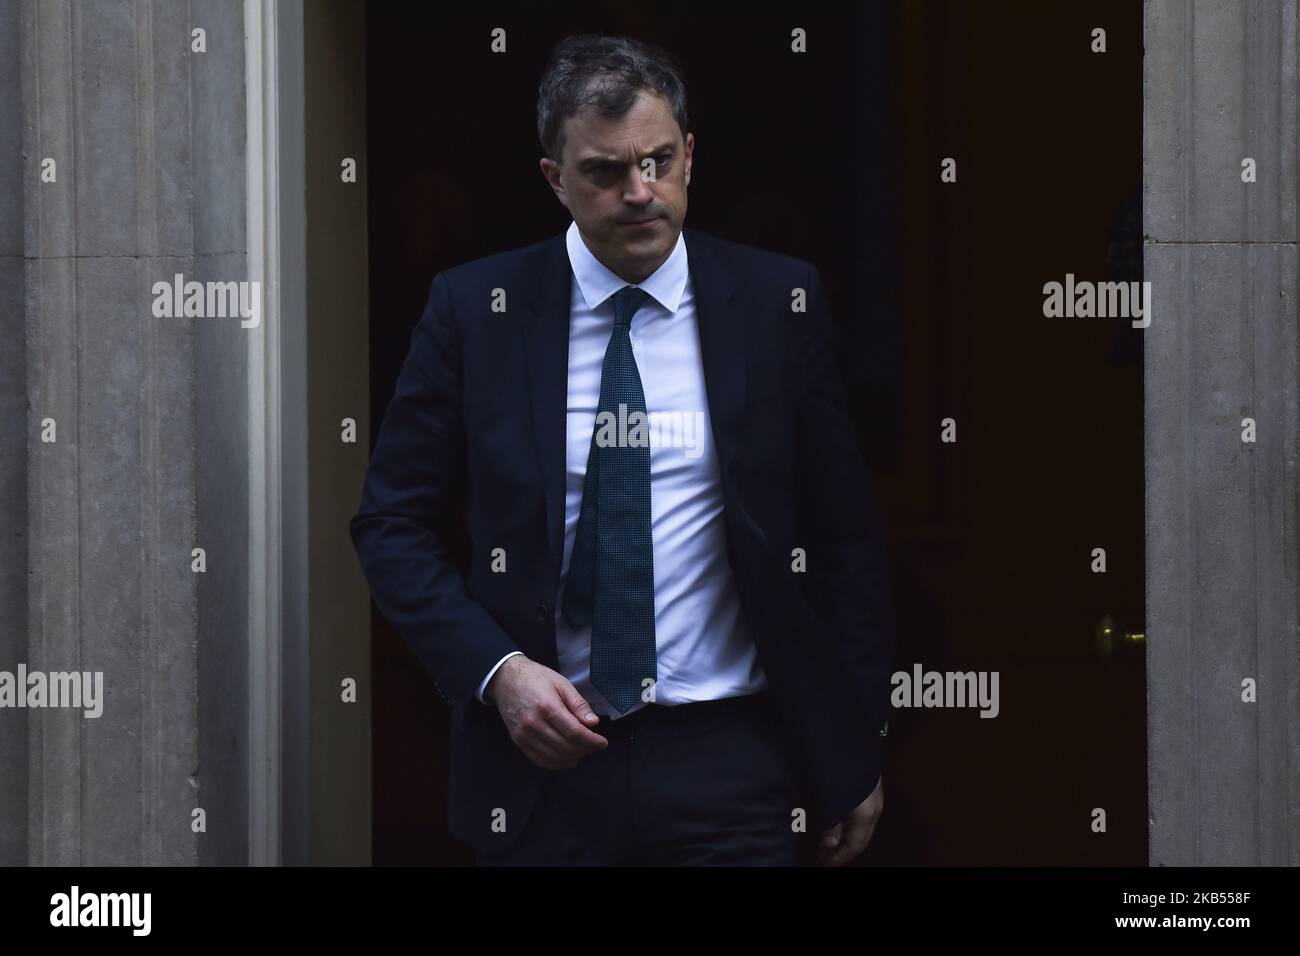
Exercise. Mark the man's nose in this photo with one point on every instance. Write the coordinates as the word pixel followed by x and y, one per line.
pixel 637 191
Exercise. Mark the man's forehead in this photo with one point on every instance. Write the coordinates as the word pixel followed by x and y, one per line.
pixel 647 130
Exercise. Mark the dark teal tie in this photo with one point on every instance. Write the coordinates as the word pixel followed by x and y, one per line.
pixel 611 584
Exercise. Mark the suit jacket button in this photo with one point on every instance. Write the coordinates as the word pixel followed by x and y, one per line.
pixel 543 613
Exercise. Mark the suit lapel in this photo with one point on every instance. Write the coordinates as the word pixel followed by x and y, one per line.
pixel 546 334
pixel 546 343
pixel 722 345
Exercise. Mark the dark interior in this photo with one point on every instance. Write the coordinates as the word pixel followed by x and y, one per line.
pixel 937 290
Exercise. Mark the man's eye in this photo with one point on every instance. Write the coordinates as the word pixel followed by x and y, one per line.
pixel 655 168
pixel 659 164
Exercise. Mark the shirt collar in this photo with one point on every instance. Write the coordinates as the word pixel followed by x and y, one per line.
pixel 597 283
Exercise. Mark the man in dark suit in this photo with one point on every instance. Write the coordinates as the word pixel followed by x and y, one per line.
pixel 674 638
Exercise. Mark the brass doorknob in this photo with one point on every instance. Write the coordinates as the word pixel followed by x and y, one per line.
pixel 1111 637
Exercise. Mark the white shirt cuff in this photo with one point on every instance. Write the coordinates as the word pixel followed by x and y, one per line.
pixel 486 680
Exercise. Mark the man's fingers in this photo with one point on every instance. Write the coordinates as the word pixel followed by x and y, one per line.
pixel 844 851
pixel 577 705
pixel 569 736
pixel 554 729
pixel 855 841
pixel 855 837
pixel 832 836
pixel 544 755
pixel 573 723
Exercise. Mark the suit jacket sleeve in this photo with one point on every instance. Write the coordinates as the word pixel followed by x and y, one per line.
pixel 849 574
pixel 415 474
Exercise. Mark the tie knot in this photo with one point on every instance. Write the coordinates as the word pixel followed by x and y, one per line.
pixel 626 301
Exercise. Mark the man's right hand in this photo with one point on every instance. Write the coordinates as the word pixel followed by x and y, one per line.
pixel 544 713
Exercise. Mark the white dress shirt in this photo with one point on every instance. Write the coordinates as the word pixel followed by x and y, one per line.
pixel 703 646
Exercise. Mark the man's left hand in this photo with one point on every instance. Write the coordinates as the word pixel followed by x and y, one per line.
pixel 848 838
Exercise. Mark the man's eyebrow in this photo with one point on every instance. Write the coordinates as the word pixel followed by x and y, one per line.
pixel 616 160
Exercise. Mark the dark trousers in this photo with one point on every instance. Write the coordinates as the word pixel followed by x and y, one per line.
pixel 701 784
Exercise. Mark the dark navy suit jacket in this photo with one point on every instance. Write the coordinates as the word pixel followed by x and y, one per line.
pixel 479 416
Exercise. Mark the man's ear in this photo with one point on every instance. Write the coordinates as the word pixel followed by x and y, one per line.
pixel 552 173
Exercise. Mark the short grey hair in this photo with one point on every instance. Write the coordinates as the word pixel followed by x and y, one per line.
pixel 605 73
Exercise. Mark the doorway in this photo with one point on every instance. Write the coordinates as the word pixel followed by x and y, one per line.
pixel 936 285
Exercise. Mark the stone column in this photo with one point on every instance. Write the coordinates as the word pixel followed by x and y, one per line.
pixel 132 170
pixel 1220 88
pixel 13 440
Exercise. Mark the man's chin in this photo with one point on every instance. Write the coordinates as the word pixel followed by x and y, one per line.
pixel 642 244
